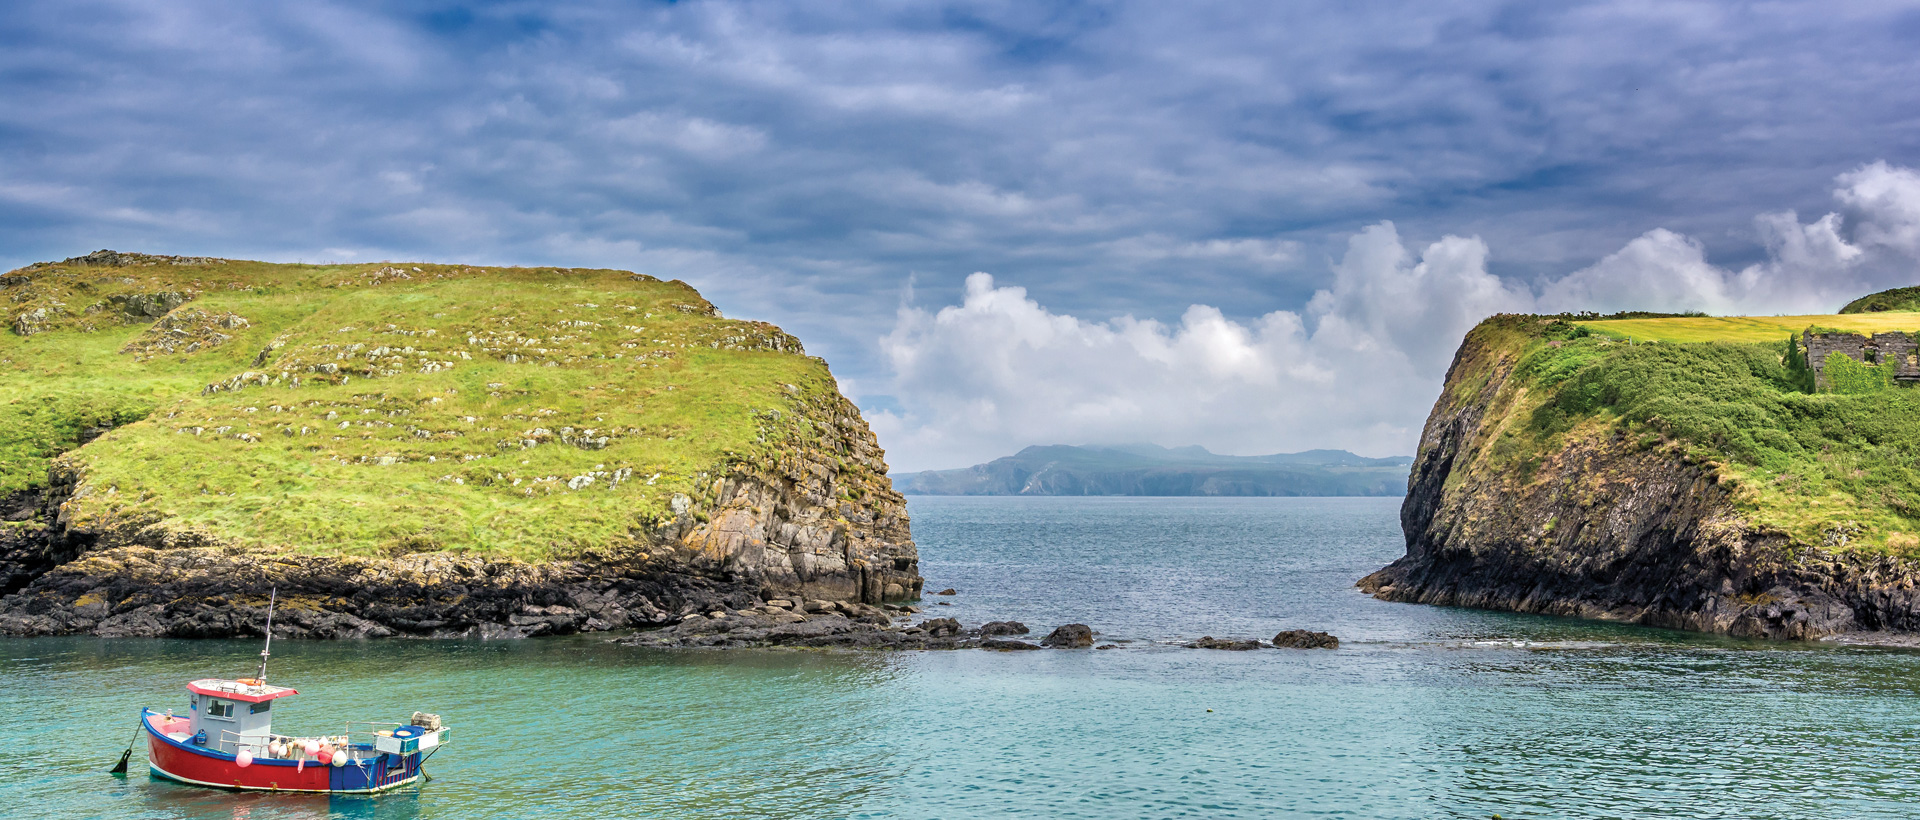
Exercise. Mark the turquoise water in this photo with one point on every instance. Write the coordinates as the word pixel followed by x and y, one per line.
pixel 1425 712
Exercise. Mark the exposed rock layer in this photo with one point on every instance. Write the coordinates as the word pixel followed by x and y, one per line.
pixel 1606 527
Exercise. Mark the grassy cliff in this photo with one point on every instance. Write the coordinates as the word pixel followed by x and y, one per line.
pixel 384 410
pixel 1678 471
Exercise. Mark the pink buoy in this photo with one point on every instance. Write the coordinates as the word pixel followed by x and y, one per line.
pixel 244 758
pixel 325 757
pixel 300 766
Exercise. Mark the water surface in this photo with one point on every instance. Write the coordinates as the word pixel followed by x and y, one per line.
pixel 1424 712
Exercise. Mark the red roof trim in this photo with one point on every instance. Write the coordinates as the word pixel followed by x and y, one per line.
pixel 265 693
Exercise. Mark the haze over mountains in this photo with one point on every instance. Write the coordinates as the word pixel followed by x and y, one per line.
pixel 1147 469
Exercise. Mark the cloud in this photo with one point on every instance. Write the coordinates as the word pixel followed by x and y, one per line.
pixel 796 161
pixel 1356 369
pixel 1000 371
pixel 1888 201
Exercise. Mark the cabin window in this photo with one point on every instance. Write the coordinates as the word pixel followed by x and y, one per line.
pixel 219 709
pixel 262 706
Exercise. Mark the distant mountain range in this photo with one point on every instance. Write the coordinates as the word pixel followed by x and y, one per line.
pixel 1146 469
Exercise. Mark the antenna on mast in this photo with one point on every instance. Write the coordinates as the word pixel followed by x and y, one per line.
pixel 273 596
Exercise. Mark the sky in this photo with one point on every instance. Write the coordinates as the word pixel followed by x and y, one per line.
pixel 1257 227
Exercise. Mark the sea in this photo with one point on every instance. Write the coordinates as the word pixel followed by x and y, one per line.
pixel 1423 712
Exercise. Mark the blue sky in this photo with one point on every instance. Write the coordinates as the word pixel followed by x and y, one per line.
pixel 1214 223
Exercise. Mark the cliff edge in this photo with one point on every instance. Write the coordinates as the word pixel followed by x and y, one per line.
pixel 1598 470
pixel 417 449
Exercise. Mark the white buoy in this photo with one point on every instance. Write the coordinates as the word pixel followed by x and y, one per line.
pixel 339 759
pixel 244 758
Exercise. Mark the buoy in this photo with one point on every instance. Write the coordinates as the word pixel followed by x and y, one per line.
pixel 325 757
pixel 311 747
pixel 244 758
pixel 300 766
pixel 339 759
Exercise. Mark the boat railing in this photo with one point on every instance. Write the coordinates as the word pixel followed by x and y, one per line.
pixel 359 734
pixel 232 742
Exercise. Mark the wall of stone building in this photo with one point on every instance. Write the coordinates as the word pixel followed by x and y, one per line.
pixel 1820 345
pixel 1900 347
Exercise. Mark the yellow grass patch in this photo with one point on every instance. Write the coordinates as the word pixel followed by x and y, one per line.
pixel 1749 329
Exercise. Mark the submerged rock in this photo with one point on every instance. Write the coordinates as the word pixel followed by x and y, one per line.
pixel 1005 644
pixel 1003 628
pixel 1210 642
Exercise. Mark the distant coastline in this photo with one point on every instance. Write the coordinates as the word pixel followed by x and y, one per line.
pixel 1150 470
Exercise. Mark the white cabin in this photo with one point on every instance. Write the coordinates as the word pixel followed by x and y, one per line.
pixel 232 713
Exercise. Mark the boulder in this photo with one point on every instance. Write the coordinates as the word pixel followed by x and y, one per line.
pixel 948 591
pixel 1071 636
pixel 1303 639
pixel 1003 628
pixel 941 627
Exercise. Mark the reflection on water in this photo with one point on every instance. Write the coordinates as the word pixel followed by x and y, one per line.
pixel 1424 712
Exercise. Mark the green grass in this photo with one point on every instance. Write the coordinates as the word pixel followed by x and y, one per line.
pixel 1836 470
pixel 1750 329
pixel 432 455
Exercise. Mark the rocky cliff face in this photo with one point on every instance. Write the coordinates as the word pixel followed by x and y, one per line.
pixel 467 452
pixel 1611 523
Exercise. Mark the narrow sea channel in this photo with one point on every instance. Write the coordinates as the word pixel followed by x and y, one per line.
pixel 1423 713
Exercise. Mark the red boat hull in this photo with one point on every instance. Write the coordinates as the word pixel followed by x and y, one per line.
pixel 183 761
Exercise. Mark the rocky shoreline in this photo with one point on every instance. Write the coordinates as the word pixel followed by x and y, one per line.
pixel 783 622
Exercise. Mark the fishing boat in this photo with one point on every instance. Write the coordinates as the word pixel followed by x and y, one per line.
pixel 226 740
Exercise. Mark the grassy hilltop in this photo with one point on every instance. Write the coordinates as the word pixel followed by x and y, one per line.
pixel 385 409
pixel 1837 471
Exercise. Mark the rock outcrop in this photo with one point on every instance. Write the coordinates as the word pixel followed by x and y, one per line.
pixel 1071 636
pixel 1611 523
pixel 1304 639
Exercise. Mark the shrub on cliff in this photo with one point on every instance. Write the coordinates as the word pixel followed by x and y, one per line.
pixel 1804 462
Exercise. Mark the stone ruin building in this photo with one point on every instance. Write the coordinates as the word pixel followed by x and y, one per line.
pixel 1872 350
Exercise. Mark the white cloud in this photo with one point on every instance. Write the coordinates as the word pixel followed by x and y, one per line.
pixel 1888 200
pixel 999 370
pixel 1356 369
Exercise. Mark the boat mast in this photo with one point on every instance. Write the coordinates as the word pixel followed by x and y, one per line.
pixel 273 595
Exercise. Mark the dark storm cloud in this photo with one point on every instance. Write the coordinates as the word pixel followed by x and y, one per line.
pixel 798 162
